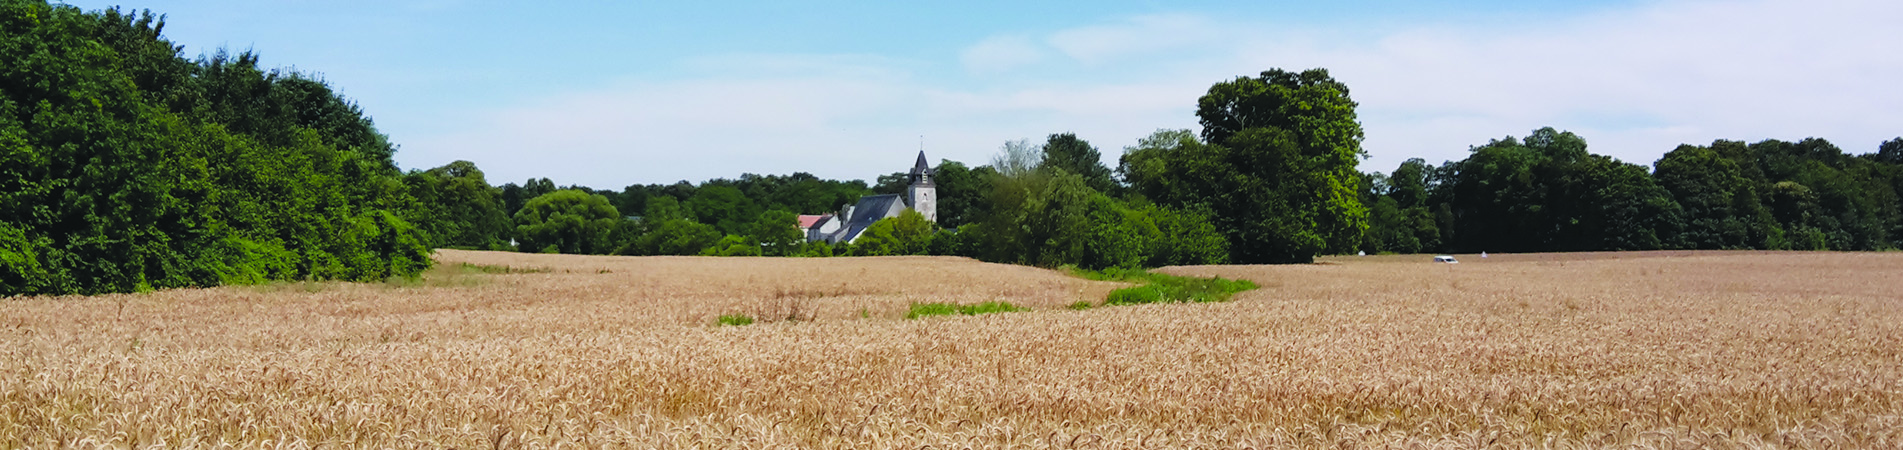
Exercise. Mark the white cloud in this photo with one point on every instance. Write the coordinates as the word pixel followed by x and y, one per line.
pixel 1137 36
pixel 839 120
pixel 1000 54
pixel 1634 82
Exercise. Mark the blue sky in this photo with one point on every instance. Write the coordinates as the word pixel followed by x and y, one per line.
pixel 607 94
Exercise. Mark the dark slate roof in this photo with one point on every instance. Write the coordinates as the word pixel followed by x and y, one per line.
pixel 871 208
pixel 921 167
pixel 921 173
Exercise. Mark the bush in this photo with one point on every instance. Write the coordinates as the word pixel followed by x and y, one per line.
pixel 813 250
pixel 733 245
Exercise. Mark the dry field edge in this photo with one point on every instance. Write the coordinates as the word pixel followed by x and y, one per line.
pixel 1618 350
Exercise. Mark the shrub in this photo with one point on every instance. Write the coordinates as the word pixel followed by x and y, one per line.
pixel 733 245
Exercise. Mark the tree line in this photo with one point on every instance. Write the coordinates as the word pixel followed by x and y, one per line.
pixel 125 166
pixel 1271 179
pixel 1546 192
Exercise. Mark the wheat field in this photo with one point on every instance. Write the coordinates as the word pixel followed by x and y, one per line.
pixel 1607 350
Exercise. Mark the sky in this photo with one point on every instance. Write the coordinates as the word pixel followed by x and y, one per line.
pixel 608 94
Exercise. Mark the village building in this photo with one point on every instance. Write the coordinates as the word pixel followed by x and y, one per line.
pixel 851 221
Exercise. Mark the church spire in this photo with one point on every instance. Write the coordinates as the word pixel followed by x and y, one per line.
pixel 922 195
pixel 921 171
pixel 921 167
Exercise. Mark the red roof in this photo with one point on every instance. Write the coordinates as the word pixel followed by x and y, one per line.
pixel 807 221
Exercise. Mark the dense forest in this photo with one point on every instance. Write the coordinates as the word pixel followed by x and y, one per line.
pixel 125 166
pixel 1546 192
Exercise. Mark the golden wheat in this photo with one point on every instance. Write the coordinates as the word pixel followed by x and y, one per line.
pixel 1652 350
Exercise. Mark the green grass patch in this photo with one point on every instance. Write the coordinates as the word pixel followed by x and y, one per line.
pixel 735 320
pixel 1164 288
pixel 946 309
pixel 1080 305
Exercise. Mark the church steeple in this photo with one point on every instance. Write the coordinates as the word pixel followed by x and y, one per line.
pixel 921 171
pixel 922 195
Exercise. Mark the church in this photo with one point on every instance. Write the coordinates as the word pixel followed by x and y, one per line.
pixel 848 224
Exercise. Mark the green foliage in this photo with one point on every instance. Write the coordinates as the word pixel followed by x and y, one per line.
pixel 1165 288
pixel 1813 189
pixel 1134 296
pixel 662 209
pixel 514 196
pixel 1549 193
pixel 20 268
pixel 799 193
pixel 962 192
pixel 1275 168
pixel 458 207
pixel 945 309
pixel 1186 237
pixel 814 249
pixel 988 308
pixel 1399 220
pixel 733 245
pixel 724 207
pixel 1080 305
pixel 931 309
pixel 572 221
pixel 1889 152
pixel 777 232
pixel 1065 151
pixel 125 167
pixel 1048 216
pixel 735 320
pixel 1057 221
pixel 674 237
pixel 907 234
pixel 891 183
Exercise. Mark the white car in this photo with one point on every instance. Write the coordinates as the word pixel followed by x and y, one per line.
pixel 1446 259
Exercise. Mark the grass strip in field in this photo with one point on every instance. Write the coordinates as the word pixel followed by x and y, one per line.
pixel 1163 288
pixel 946 309
pixel 735 320
pixel 499 269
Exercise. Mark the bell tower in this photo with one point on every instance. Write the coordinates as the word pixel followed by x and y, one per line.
pixel 922 195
